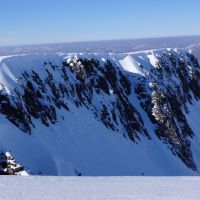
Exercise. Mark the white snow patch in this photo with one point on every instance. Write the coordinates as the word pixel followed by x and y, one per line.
pixel 153 60
pixel 130 65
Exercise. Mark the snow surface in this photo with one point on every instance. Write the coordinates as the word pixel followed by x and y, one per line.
pixel 130 65
pixel 99 188
pixel 85 145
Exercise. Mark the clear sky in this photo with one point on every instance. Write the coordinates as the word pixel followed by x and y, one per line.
pixel 50 21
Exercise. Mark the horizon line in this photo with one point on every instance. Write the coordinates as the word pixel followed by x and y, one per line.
pixel 98 41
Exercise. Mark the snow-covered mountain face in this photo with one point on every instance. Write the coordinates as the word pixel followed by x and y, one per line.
pixel 102 114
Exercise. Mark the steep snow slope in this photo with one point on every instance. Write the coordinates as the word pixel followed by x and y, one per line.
pixel 101 114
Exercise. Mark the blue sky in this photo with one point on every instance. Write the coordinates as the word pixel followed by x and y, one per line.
pixel 49 21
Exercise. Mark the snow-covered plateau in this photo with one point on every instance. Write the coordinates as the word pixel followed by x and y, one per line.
pixel 117 114
pixel 99 188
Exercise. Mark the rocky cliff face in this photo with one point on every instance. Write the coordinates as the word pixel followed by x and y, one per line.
pixel 119 90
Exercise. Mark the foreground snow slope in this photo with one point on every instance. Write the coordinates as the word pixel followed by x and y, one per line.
pixel 102 114
pixel 100 188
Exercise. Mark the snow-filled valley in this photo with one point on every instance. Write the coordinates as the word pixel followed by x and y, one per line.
pixel 99 188
pixel 100 114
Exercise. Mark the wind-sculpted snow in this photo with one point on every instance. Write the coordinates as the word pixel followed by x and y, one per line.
pixel 98 188
pixel 119 90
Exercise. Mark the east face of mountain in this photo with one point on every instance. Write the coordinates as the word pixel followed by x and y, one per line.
pixel 142 97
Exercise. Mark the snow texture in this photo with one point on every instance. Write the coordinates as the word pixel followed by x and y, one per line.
pixel 99 188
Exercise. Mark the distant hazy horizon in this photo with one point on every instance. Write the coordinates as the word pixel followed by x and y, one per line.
pixel 106 46
pixel 98 41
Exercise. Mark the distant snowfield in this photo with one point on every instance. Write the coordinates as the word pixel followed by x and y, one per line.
pixel 99 188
